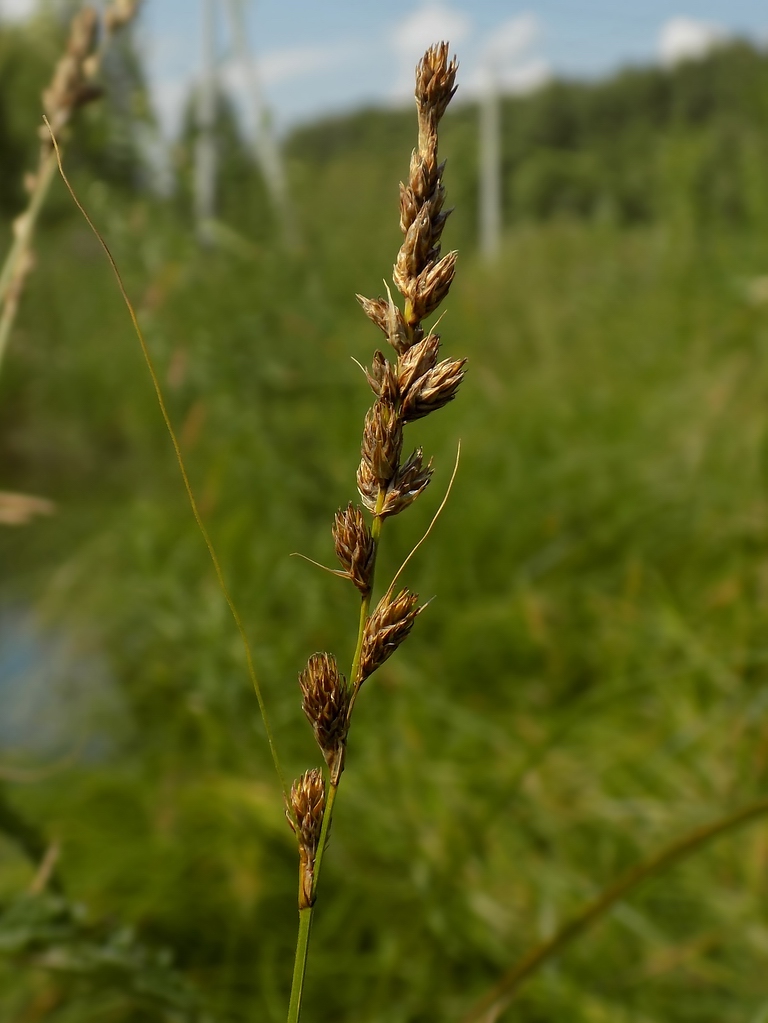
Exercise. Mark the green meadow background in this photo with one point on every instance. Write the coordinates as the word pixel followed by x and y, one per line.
pixel 590 680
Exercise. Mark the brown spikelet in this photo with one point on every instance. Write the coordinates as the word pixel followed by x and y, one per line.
pixel 306 806
pixel 325 701
pixel 383 380
pixel 434 389
pixel 411 480
pixel 376 309
pixel 367 486
pixel 413 364
pixel 388 318
pixel 386 629
pixel 426 291
pixel 382 441
pixel 354 545
pixel 415 250
pixel 435 86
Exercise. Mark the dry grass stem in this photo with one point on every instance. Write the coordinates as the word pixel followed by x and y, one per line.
pixel 72 86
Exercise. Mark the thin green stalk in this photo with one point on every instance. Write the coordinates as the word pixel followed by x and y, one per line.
pixel 305 915
pixel 501 996
pixel 300 965
pixel 327 818
pixel 218 571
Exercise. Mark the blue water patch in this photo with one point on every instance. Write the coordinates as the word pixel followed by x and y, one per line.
pixel 56 692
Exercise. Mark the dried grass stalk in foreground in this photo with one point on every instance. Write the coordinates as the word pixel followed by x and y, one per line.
pixel 407 386
pixel 72 86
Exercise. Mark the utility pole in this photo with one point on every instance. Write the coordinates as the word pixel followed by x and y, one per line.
pixel 265 146
pixel 490 162
pixel 205 149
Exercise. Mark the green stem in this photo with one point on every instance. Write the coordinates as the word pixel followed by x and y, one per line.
pixel 300 965
pixel 500 997
pixel 327 818
pixel 305 915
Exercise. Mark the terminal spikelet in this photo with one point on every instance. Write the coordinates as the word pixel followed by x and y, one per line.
pixel 415 383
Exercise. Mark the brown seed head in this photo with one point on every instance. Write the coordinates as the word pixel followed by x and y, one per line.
pixel 376 309
pixel 69 86
pixel 388 318
pixel 425 179
pixel 414 252
pixel 306 806
pixel 418 360
pixel 419 273
pixel 355 548
pixel 435 84
pixel 411 480
pixel 386 629
pixel 409 207
pixel 428 290
pixel 367 486
pixel 381 377
pixel 382 441
pixel 434 389
pixel 325 701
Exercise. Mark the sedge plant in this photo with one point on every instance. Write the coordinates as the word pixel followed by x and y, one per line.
pixel 407 386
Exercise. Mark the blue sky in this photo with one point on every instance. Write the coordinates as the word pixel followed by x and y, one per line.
pixel 322 56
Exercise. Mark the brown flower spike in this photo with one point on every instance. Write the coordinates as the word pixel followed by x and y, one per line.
pixel 325 702
pixel 304 812
pixel 354 545
pixel 416 384
pixel 386 629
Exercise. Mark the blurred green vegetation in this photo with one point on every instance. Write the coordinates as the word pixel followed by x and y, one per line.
pixel 591 679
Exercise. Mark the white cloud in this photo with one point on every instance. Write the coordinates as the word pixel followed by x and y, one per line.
pixel 171 93
pixel 432 22
pixel 687 39
pixel 513 37
pixel 526 77
pixel 16 10
pixel 508 60
pixel 298 61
